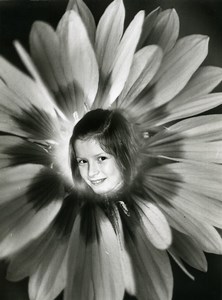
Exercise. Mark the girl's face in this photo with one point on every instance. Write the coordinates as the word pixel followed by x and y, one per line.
pixel 97 168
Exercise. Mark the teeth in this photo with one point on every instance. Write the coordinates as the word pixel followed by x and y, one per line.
pixel 97 181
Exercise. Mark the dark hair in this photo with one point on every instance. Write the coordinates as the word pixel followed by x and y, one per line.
pixel 115 135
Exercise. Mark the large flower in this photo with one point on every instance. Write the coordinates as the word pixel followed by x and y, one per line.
pixel 156 80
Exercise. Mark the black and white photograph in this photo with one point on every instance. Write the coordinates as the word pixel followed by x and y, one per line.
pixel 110 150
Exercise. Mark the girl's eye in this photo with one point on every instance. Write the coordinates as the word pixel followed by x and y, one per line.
pixel 81 161
pixel 102 158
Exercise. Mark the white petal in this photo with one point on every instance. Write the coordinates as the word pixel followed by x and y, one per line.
pixel 180 264
pixel 44 47
pixel 126 262
pixel 177 68
pixel 165 30
pixel 189 150
pixel 82 9
pixel 155 224
pixel 75 42
pixel 45 50
pixel 144 66
pixel 95 266
pixel 108 35
pixel 25 262
pixel 15 181
pixel 205 176
pixel 205 235
pixel 149 22
pixel 123 59
pixel 152 269
pixel 189 251
pixel 34 72
pixel 15 150
pixel 50 277
pixel 188 200
pixel 31 95
pixel 201 129
pixel 202 83
pixel 29 228
pixel 195 106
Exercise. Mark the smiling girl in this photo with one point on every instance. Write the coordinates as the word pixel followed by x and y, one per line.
pixel 103 152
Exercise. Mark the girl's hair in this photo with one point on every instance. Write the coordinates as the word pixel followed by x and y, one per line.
pixel 115 135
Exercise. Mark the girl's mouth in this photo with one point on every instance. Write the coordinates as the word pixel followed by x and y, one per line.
pixel 98 181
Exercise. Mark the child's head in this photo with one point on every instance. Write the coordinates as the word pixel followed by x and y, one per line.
pixel 103 151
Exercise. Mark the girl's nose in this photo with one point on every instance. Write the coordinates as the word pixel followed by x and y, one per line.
pixel 93 169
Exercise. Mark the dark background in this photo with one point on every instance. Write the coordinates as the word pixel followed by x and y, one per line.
pixel 196 16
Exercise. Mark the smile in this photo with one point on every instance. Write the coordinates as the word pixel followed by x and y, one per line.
pixel 97 182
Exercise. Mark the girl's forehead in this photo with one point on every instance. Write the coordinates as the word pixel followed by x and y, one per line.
pixel 88 148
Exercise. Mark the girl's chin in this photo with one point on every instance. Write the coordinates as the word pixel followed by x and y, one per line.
pixel 104 190
pixel 100 191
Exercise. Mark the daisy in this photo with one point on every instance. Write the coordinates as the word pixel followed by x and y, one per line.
pixel 173 209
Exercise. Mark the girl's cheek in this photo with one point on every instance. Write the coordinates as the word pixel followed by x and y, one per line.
pixel 85 173
pixel 81 171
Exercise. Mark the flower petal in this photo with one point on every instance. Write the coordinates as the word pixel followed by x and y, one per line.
pixel 195 92
pixel 43 40
pixel 165 30
pixel 177 68
pixel 123 60
pixel 128 271
pixel 202 82
pixel 25 262
pixel 189 150
pixel 28 62
pixel 20 115
pixel 179 262
pixel 185 199
pixel 50 277
pixel 199 129
pixel 15 181
pixel 188 250
pixel 199 176
pixel 144 66
pixel 80 7
pixel 153 273
pixel 41 250
pixel 27 227
pixel 15 150
pixel 77 47
pixel 205 235
pixel 13 82
pixel 44 260
pixel 148 24
pixel 35 74
pixel 195 106
pixel 95 266
pixel 8 109
pixel 155 225
pixel 31 198
pixel 108 35
pixel 180 141
pixel 45 50
pixel 202 178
